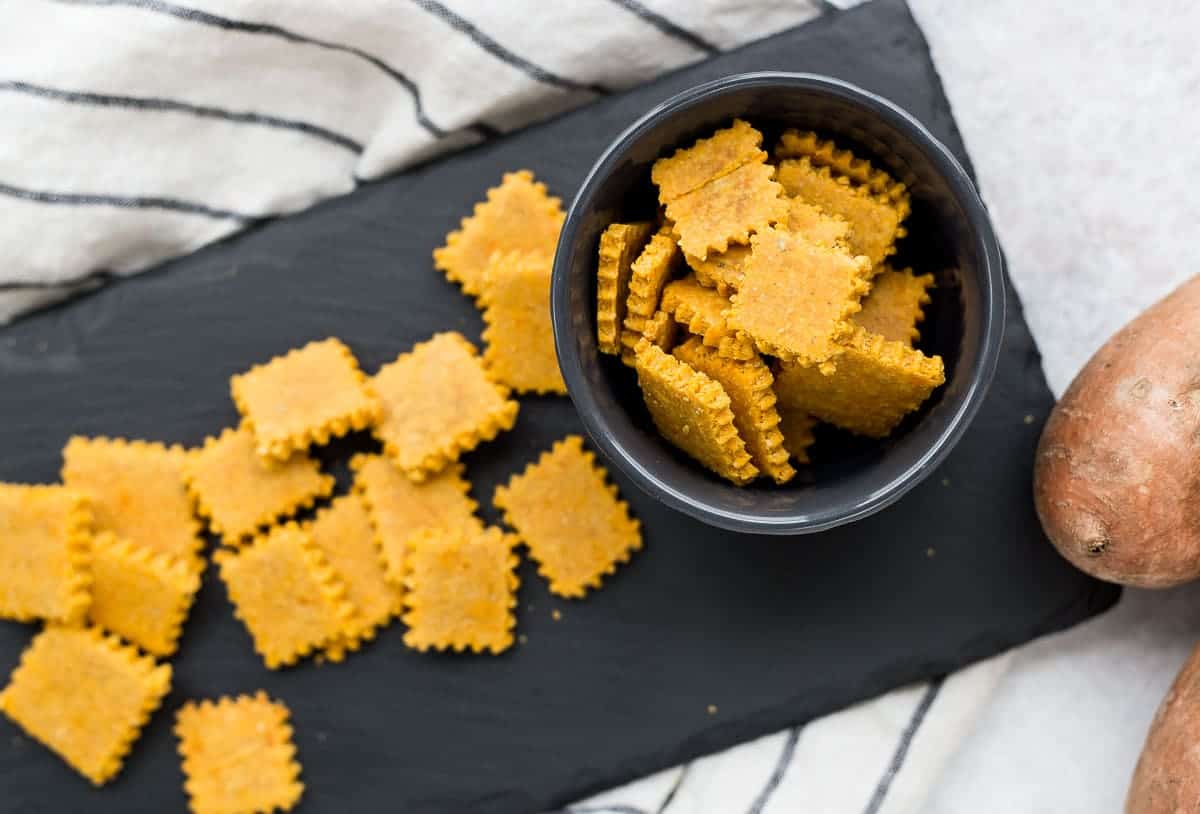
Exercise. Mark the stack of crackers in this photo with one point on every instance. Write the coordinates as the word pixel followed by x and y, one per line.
pixel 763 301
pixel 111 559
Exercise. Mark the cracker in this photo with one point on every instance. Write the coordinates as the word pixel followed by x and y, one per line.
pixel 728 210
pixel 344 534
pixel 287 594
pixel 85 696
pixel 693 412
pixel 517 216
pixel 651 271
pixel 304 397
pixel 796 297
pixel 45 553
pixel 797 427
pixel 239 494
pixel 516 310
pixel 439 402
pixel 748 385
pixel 661 330
pixel 704 313
pixel 238 755
pixel 825 153
pixel 570 518
pixel 400 507
pixel 722 271
pixel 877 382
pixel 460 590
pixel 620 245
pixel 817 226
pixel 136 490
pixel 716 156
pixel 874 221
pixel 895 306
pixel 141 594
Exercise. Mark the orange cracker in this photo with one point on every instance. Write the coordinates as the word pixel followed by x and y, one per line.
pixel 796 297
pixel 45 553
pixel 825 153
pixel 661 330
pixel 136 490
pixel 716 156
pixel 874 221
pixel 728 210
pixel 651 271
pixel 896 305
pixel 570 517
pixel 304 397
pixel 748 385
pixel 439 402
pixel 721 271
pixel 817 226
pixel 877 382
pixel 460 590
pixel 239 494
pixel 344 534
pixel 620 245
pixel 238 755
pixel 518 216
pixel 287 594
pixel 797 428
pixel 516 309
pixel 86 696
pixel 693 412
pixel 399 507
pixel 704 312
pixel 141 594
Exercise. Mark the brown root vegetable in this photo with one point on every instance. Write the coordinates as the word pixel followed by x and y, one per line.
pixel 1167 777
pixel 1117 476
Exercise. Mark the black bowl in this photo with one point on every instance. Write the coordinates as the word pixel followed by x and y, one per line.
pixel 949 234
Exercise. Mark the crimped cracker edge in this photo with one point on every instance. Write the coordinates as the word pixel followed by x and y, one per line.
pixel 844 162
pixel 729 342
pixel 490 327
pixel 609 326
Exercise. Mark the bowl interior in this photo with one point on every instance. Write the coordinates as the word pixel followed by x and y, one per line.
pixel 849 476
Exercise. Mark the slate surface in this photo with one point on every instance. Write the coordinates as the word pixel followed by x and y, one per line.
pixel 770 631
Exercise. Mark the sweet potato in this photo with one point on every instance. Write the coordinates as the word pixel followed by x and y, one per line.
pixel 1117 476
pixel 1167 777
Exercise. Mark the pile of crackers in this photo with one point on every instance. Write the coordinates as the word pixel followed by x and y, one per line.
pixel 111 559
pixel 763 302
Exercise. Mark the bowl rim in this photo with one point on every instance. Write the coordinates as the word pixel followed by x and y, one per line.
pixel 992 285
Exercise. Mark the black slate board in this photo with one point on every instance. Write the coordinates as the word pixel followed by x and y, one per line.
pixel 771 631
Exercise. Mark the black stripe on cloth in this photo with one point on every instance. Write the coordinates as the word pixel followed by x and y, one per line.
pixel 906 739
pixel 497 50
pixel 781 767
pixel 670 798
pixel 128 202
pixel 172 106
pixel 267 29
pixel 667 27
pixel 85 281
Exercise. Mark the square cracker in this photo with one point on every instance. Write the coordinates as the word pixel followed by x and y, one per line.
pixel 895 306
pixel 728 210
pixel 439 402
pixel 140 594
pixel 516 310
pixel 570 517
pixel 45 553
pixel 238 755
pixel 704 313
pixel 86 696
pixel 289 597
pixel 460 590
pixel 796 297
pixel 518 216
pixel 304 397
pixel 239 494
pixel 400 507
pixel 719 154
pixel 136 490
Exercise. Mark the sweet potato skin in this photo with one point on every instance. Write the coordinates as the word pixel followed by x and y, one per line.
pixel 1117 475
pixel 1167 777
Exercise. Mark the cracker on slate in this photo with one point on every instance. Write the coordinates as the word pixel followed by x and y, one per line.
pixel 45 553
pixel 518 335
pixel 85 696
pixel 305 397
pixel 570 518
pixel 439 402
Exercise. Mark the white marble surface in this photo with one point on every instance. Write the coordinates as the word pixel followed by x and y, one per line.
pixel 1083 121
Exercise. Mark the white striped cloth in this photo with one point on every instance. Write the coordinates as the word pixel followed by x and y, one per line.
pixel 132 131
